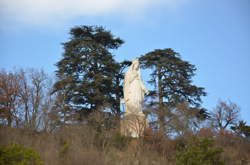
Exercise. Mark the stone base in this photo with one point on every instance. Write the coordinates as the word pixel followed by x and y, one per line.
pixel 133 125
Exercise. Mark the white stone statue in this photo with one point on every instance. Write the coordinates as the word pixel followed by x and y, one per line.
pixel 134 90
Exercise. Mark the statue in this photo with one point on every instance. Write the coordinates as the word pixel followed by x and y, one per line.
pixel 134 89
pixel 134 121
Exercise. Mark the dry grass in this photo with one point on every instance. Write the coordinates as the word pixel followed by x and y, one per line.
pixel 83 145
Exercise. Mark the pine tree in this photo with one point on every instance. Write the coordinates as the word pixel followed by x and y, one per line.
pixel 87 73
pixel 172 80
pixel 242 129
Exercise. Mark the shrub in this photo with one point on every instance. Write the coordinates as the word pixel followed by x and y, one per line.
pixel 120 141
pixel 64 149
pixel 200 151
pixel 16 154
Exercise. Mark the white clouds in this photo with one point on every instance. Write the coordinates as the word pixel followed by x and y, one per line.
pixel 45 11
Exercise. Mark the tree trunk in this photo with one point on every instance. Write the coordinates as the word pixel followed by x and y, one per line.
pixel 9 118
pixel 161 116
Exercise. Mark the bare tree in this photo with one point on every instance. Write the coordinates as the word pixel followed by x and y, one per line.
pixel 38 79
pixel 25 97
pixel 224 115
pixel 24 93
pixel 9 90
pixel 185 119
pixel 49 100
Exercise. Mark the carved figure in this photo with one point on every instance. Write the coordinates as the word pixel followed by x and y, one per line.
pixel 134 90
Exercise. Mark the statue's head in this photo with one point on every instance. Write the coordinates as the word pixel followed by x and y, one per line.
pixel 135 64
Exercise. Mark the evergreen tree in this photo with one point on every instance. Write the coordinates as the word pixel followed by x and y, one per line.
pixel 87 73
pixel 172 80
pixel 242 129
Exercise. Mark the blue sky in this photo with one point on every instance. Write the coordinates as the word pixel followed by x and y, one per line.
pixel 214 35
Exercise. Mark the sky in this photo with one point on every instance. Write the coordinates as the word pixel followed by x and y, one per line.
pixel 214 35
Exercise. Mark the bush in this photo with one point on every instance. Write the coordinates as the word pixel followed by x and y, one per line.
pixel 64 150
pixel 16 154
pixel 200 151
pixel 120 141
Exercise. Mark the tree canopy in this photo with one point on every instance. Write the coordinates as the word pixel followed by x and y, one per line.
pixel 171 78
pixel 87 72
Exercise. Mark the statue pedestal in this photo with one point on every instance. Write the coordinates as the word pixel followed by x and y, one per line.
pixel 133 125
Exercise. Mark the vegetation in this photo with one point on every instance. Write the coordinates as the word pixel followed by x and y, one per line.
pixel 172 80
pixel 87 74
pixel 242 129
pixel 200 151
pixel 74 118
pixel 16 154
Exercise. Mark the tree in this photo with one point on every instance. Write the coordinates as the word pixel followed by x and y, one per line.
pixel 62 113
pixel 37 96
pixel 25 98
pixel 87 73
pixel 24 94
pixel 242 129
pixel 118 87
pixel 171 78
pixel 224 115
pixel 185 120
pixel 9 91
pixel 34 96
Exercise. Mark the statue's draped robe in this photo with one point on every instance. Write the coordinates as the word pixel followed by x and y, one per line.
pixel 134 91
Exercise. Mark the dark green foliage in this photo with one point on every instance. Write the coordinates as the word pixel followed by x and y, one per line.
pixel 16 154
pixel 87 73
pixel 172 78
pixel 200 151
pixel 242 129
